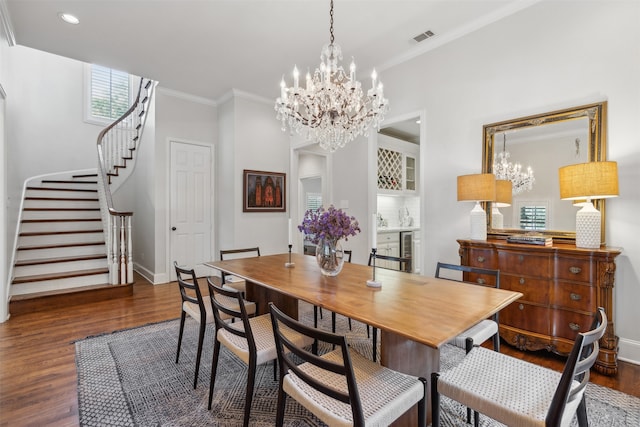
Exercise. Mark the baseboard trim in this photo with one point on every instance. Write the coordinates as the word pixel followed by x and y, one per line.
pixel 629 351
pixel 149 276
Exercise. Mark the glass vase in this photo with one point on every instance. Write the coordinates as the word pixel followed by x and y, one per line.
pixel 329 256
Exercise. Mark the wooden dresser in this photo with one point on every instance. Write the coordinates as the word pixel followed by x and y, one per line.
pixel 562 286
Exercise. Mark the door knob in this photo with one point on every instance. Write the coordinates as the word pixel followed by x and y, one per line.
pixel 173 229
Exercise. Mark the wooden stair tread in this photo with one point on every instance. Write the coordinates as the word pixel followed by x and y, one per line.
pixel 55 276
pixel 67 181
pixel 59 245
pixel 87 175
pixel 63 189
pixel 59 259
pixel 51 233
pixel 61 209
pixel 34 221
pixel 68 291
pixel 64 199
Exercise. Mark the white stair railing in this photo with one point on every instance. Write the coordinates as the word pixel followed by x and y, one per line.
pixel 117 145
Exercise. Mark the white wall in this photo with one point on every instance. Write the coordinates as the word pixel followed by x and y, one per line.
pixel 4 242
pixel 550 56
pixel 250 138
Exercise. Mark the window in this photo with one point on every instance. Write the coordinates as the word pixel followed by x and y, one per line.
pixel 314 201
pixel 533 217
pixel 108 94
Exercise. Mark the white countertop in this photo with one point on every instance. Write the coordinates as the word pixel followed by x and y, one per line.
pixel 396 229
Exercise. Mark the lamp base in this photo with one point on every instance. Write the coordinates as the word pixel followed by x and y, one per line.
pixel 374 284
pixel 478 219
pixel 497 219
pixel 289 264
pixel 588 220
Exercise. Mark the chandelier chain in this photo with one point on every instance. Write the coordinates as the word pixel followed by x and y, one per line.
pixel 331 22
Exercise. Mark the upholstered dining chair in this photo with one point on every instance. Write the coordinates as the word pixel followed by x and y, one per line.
pixel 341 387
pixel 485 329
pixel 516 392
pixel 198 307
pixel 404 264
pixel 250 339
pixel 233 281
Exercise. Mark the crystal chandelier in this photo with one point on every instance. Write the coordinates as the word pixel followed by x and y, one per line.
pixel 504 169
pixel 332 108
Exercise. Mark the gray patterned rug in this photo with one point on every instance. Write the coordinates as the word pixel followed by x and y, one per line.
pixel 129 378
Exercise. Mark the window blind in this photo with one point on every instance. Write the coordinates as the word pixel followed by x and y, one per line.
pixel 109 92
pixel 533 217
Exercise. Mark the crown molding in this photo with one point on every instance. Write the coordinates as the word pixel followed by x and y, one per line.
pixel 435 42
pixel 6 23
pixel 236 93
pixel 185 96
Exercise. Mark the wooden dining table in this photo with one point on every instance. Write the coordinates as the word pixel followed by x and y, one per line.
pixel 416 314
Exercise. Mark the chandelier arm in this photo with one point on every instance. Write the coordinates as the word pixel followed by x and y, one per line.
pixel 331 23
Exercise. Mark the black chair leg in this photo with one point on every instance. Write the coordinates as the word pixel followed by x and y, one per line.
pixel 282 398
pixel 468 346
pixel 333 322
pixel 375 343
pixel 496 343
pixel 435 401
pixel 368 336
pixel 249 397
pixel 203 329
pixel 582 413
pixel 214 368
pixel 422 405
pixel 350 324
pixel 182 318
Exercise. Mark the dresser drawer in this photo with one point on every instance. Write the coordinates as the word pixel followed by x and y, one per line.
pixel 574 296
pixel 523 263
pixel 533 290
pixel 483 258
pixel 574 269
pixel 525 316
pixel 567 324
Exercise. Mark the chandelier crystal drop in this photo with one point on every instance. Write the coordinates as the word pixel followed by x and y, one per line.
pixel 332 109
pixel 505 170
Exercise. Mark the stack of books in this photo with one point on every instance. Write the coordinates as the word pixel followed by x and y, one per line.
pixel 530 240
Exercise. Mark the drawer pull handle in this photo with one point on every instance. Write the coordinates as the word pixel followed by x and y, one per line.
pixel 520 258
pixel 482 282
pixel 575 297
pixel 522 280
pixel 574 326
pixel 521 307
pixel 575 270
pixel 480 259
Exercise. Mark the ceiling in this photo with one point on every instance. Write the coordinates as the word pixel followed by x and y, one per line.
pixel 206 48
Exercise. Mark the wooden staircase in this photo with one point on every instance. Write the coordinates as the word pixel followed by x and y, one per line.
pixel 61 251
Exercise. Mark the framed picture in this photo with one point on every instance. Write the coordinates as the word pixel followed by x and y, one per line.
pixel 264 191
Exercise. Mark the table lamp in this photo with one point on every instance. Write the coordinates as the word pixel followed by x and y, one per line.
pixel 504 195
pixel 593 180
pixel 479 188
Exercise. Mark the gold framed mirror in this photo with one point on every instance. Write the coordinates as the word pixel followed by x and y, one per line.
pixel 543 143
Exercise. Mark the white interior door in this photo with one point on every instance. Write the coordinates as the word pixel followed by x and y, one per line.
pixel 191 206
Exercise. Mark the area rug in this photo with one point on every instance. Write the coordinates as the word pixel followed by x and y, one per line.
pixel 130 378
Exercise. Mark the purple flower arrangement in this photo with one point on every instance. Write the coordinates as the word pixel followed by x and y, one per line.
pixel 333 224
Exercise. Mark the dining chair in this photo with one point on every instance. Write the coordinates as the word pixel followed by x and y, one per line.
pixel 347 257
pixel 341 387
pixel 404 264
pixel 197 307
pixel 515 392
pixel 231 280
pixel 250 339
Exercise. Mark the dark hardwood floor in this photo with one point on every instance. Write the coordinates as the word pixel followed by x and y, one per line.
pixel 37 355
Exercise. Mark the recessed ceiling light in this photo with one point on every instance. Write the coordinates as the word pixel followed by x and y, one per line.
pixel 69 18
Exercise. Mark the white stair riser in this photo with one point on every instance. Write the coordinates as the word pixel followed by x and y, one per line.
pixel 60 252
pixel 62 203
pixel 66 185
pixel 62 194
pixel 64 214
pixel 32 227
pixel 58 284
pixel 60 239
pixel 59 267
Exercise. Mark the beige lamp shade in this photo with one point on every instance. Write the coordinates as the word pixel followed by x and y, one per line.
pixel 593 180
pixel 504 193
pixel 477 187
